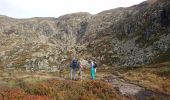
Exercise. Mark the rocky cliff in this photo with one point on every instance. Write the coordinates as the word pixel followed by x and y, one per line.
pixel 134 36
pixel 130 36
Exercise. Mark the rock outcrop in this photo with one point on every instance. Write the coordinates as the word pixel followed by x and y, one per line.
pixel 130 36
pixel 138 36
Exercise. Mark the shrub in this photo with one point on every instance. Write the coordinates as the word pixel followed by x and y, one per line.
pixel 35 97
pixel 164 72
pixel 71 90
pixel 11 93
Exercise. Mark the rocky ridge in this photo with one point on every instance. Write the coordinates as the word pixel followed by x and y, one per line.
pixel 130 36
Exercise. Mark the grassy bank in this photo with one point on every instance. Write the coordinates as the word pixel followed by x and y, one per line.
pixel 155 77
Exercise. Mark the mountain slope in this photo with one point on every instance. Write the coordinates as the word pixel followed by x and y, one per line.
pixel 130 36
pixel 138 38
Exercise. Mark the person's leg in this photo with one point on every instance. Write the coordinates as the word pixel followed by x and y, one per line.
pixel 93 75
pixel 71 73
pixel 90 73
pixel 74 73
pixel 80 73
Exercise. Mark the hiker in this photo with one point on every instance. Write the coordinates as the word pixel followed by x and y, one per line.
pixel 73 68
pixel 92 70
pixel 80 69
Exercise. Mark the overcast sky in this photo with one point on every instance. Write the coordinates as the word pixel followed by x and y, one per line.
pixel 56 8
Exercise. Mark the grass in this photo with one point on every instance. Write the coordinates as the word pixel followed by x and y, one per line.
pixel 19 94
pixel 155 77
pixel 164 57
pixel 53 89
pixel 19 85
pixel 71 90
pixel 164 72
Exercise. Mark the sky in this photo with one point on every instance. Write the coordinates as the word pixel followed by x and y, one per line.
pixel 56 8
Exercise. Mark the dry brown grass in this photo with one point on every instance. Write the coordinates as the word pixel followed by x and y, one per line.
pixel 73 90
pixel 53 89
pixel 49 86
pixel 19 94
pixel 154 77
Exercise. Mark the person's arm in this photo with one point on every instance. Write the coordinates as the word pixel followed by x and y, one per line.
pixel 92 64
pixel 71 65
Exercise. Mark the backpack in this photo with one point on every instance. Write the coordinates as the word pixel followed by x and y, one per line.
pixel 95 65
pixel 74 64
pixel 80 65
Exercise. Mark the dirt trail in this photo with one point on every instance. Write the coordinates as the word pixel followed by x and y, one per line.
pixel 129 89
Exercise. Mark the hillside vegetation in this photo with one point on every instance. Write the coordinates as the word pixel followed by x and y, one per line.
pixel 130 45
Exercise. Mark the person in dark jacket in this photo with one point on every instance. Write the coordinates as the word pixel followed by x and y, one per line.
pixel 73 68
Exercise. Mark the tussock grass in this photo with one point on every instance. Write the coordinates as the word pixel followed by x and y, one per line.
pixel 72 90
pixel 19 94
pixel 53 89
pixel 50 86
pixel 154 77
pixel 165 72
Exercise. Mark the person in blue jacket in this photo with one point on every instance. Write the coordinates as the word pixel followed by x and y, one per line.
pixel 73 68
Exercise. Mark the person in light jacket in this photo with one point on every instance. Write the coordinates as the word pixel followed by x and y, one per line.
pixel 92 70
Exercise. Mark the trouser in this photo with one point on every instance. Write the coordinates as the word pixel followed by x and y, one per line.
pixel 73 73
pixel 92 73
pixel 95 70
pixel 80 73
